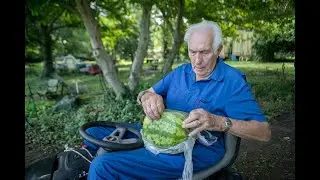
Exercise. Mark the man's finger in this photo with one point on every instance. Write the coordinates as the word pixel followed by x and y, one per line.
pixel 146 112
pixel 144 109
pixel 160 106
pixel 193 124
pixel 192 116
pixel 197 130
pixel 155 110
pixel 150 113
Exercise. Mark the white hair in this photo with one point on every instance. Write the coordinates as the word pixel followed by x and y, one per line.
pixel 215 29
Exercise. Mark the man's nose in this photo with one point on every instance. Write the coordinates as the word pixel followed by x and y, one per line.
pixel 198 58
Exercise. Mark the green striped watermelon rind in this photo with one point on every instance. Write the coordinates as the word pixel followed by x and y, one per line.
pixel 167 131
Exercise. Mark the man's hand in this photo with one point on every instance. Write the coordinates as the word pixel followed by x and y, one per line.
pixel 200 120
pixel 152 104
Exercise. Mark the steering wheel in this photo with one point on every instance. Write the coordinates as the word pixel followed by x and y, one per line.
pixel 114 141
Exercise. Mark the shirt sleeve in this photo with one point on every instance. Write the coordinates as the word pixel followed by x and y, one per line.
pixel 162 86
pixel 242 105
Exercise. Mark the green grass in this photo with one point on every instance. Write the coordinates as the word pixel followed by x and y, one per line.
pixel 272 85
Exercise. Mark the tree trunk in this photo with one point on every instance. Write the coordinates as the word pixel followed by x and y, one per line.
pixel 132 57
pixel 46 51
pixel 177 40
pixel 114 60
pixel 165 49
pixel 164 42
pixel 103 59
pixel 136 67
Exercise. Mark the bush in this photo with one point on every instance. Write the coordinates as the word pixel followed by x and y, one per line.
pixel 275 96
pixel 62 128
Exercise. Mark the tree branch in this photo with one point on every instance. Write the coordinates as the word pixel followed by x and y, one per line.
pixel 66 25
pixel 55 19
pixel 166 19
pixel 70 8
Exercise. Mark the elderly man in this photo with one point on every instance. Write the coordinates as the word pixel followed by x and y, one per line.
pixel 217 98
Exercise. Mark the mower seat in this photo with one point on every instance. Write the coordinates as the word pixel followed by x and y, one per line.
pixel 232 144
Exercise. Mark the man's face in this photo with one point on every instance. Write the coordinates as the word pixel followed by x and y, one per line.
pixel 201 53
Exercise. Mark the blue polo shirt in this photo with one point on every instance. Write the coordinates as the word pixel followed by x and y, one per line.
pixel 225 93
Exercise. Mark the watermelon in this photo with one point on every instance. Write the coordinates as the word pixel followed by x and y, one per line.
pixel 167 131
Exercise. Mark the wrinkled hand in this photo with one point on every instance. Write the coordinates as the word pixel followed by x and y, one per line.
pixel 152 104
pixel 200 119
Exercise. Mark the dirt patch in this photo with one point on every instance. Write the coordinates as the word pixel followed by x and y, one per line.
pixel 33 154
pixel 272 160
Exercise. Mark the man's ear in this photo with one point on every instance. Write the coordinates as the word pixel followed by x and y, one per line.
pixel 220 49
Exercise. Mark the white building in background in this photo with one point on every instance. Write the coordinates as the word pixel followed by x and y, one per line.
pixel 68 62
pixel 239 47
